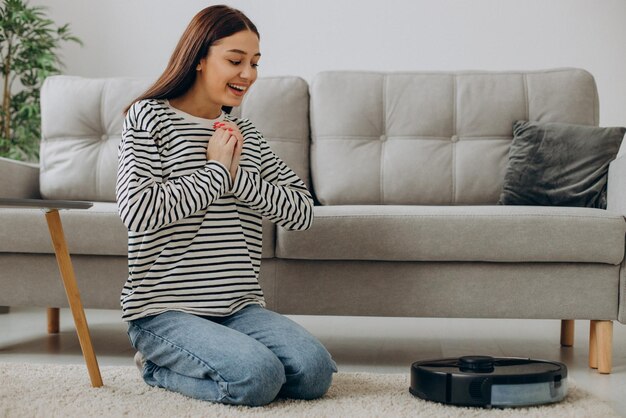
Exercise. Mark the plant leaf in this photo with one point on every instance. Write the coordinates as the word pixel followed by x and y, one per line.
pixel 29 41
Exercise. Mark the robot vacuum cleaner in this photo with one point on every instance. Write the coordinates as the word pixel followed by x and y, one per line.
pixel 489 381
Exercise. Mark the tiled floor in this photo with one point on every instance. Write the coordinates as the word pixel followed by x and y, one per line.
pixel 384 345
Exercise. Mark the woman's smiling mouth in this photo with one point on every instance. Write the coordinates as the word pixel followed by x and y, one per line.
pixel 237 89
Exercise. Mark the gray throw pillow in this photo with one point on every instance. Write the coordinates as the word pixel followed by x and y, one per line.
pixel 559 164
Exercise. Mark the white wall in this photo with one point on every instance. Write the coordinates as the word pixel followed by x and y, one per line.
pixel 298 37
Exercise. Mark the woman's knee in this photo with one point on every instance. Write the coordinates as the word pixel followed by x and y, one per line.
pixel 311 376
pixel 262 377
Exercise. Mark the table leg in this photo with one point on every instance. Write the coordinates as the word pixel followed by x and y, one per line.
pixel 73 296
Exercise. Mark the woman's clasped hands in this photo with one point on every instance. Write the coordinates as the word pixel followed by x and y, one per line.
pixel 225 146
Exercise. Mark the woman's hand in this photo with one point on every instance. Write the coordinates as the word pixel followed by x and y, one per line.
pixel 221 147
pixel 233 130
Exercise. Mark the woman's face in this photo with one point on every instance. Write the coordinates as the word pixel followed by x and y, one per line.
pixel 229 69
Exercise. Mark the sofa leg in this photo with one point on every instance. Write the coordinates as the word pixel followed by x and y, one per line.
pixel 53 320
pixel 601 346
pixel 593 345
pixel 604 337
pixel 567 332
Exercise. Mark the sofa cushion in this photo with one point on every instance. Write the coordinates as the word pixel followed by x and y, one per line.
pixel 94 231
pixel 458 233
pixel 431 138
pixel 559 164
pixel 81 126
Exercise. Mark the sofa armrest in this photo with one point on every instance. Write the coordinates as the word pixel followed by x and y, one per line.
pixel 19 179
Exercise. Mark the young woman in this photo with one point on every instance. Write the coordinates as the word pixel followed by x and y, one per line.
pixel 193 184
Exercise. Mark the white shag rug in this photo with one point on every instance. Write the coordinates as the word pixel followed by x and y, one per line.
pixel 46 390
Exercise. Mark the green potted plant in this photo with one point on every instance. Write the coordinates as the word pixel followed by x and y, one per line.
pixel 28 54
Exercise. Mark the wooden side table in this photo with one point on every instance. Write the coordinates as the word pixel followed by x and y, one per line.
pixel 51 209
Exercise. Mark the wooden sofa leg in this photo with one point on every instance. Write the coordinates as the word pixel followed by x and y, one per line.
pixel 601 346
pixel 567 332
pixel 53 320
pixel 593 345
pixel 604 338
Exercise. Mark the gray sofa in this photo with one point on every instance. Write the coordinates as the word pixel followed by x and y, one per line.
pixel 406 169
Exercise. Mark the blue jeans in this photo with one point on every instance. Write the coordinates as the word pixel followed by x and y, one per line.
pixel 247 358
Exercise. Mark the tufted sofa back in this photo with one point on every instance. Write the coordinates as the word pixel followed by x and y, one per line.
pixel 81 124
pixel 377 138
pixel 431 138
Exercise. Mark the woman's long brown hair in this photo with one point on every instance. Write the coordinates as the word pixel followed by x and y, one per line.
pixel 207 26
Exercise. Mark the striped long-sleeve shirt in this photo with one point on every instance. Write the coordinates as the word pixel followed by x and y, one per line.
pixel 194 236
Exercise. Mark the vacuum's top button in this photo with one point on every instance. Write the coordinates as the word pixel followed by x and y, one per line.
pixel 476 363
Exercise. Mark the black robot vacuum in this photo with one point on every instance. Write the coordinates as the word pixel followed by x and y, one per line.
pixel 489 381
